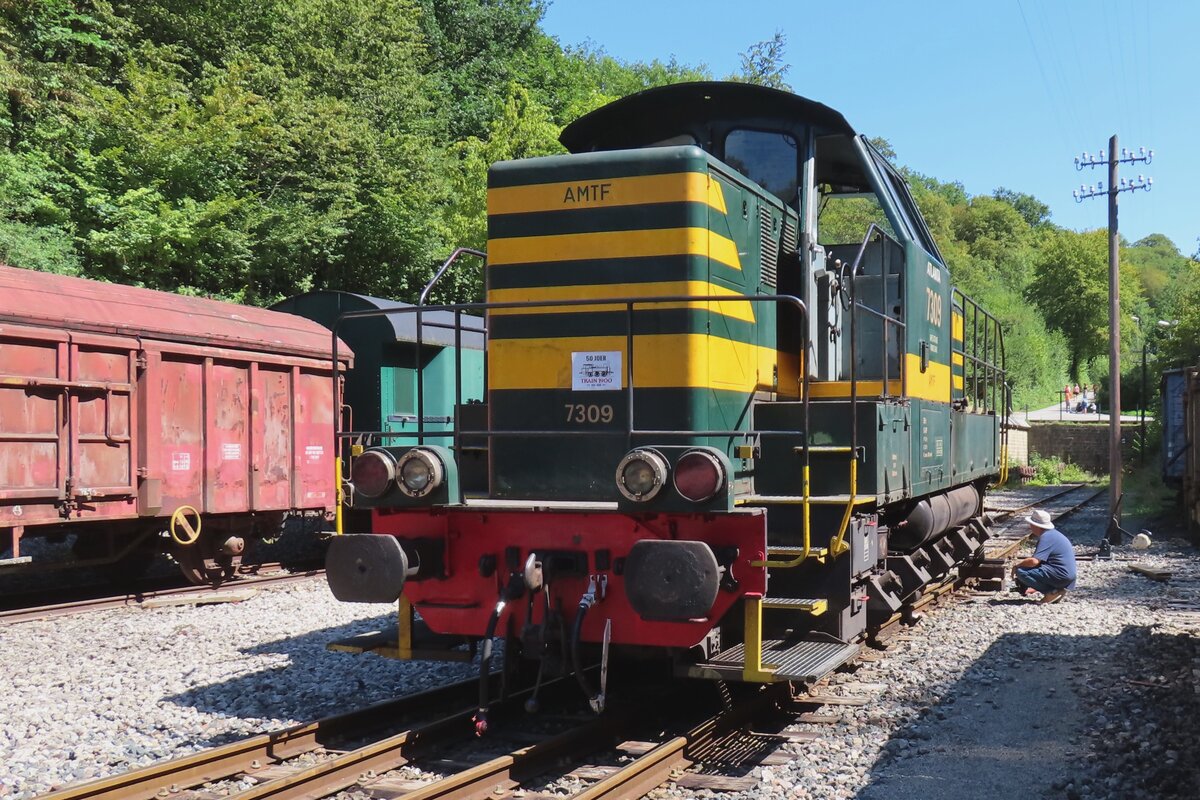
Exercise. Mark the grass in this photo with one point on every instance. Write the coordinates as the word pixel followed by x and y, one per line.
pixel 1146 496
pixel 1052 470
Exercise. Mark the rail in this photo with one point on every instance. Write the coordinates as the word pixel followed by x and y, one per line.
pixel 985 388
pixel 630 303
pixel 983 356
pixel 437 276
pixel 630 428
pixel 838 543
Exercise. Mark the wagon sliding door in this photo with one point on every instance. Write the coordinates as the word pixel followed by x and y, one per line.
pixel 66 443
pixel 100 401
pixel 34 369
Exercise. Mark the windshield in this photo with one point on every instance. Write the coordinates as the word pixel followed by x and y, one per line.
pixel 769 159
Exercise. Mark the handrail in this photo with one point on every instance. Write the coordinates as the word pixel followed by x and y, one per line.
pixel 458 251
pixel 582 303
pixel 630 303
pixel 989 370
pixel 995 393
pixel 838 545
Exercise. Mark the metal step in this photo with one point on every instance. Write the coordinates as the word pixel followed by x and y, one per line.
pixel 813 605
pixel 798 499
pixel 792 552
pixel 13 562
pixel 806 662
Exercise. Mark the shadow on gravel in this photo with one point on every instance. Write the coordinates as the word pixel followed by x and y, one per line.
pixel 311 681
pixel 1055 716
pixel 315 641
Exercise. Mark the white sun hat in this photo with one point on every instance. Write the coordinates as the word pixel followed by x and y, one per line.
pixel 1040 519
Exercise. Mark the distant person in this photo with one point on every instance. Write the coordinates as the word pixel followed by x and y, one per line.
pixel 1051 568
pixel 1067 397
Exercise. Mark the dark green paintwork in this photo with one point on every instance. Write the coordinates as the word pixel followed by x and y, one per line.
pixel 584 468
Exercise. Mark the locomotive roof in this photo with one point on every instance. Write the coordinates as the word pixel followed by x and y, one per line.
pixel 657 113
pixel 326 305
pixel 45 299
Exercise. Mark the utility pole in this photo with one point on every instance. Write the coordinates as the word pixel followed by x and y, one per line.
pixel 1114 302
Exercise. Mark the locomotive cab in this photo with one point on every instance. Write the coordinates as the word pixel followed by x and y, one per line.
pixel 735 412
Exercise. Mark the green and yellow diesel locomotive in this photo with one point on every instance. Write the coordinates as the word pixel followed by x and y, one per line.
pixel 735 412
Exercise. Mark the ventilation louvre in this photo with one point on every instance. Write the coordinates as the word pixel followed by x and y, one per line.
pixel 768 248
pixel 791 239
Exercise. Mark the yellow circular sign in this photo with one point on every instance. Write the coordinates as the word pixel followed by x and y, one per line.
pixel 185 525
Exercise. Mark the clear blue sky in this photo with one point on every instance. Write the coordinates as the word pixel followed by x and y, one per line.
pixel 1002 93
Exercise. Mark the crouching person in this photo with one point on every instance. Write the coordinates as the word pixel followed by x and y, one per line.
pixel 1051 568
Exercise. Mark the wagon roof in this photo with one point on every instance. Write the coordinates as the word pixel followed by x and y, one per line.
pixel 77 304
pixel 326 305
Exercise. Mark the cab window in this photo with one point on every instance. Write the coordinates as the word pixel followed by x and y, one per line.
pixel 844 217
pixel 770 159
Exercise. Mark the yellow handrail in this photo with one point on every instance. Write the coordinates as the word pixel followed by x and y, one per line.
pixel 838 545
pixel 752 668
pixel 804 554
pixel 339 496
pixel 1003 460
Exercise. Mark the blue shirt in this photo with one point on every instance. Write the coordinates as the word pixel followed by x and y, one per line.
pixel 1057 556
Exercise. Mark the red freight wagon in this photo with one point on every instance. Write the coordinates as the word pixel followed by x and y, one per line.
pixel 129 416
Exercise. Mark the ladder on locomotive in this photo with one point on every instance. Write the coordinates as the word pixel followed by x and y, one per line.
pixel 789 557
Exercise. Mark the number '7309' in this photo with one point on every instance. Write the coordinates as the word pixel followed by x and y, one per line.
pixel 933 306
pixel 591 412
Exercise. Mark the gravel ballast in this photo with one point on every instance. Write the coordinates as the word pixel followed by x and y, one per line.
pixel 990 696
pixel 998 696
pixel 100 693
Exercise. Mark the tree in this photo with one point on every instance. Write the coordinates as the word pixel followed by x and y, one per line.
pixel 996 233
pixel 1033 210
pixel 762 63
pixel 1071 289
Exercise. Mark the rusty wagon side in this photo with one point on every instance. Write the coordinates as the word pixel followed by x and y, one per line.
pixel 130 416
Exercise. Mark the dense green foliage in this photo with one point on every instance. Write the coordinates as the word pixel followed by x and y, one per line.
pixel 253 150
pixel 249 151
pixel 1053 471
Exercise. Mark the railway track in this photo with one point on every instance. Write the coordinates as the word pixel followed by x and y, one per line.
pixel 360 752
pixel 263 576
pixel 1005 542
pixel 1008 539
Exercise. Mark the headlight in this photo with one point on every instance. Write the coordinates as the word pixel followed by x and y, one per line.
pixel 420 472
pixel 373 473
pixel 699 475
pixel 641 474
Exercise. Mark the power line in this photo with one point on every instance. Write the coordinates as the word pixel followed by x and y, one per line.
pixel 1057 69
pixel 1042 70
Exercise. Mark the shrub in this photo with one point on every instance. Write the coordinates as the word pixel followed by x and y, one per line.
pixel 1049 470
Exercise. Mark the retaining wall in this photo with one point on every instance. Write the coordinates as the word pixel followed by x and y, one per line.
pixel 1080 443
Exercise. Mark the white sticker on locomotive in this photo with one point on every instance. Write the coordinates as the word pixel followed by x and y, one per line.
pixel 231 451
pixel 314 453
pixel 181 462
pixel 596 372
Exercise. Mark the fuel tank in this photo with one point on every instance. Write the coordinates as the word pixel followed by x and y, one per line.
pixel 933 516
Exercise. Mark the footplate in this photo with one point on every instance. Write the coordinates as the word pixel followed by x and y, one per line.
pixel 804 662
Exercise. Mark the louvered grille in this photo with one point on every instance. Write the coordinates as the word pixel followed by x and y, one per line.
pixel 768 248
pixel 790 237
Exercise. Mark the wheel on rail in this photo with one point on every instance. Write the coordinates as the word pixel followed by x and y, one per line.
pixel 206 554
